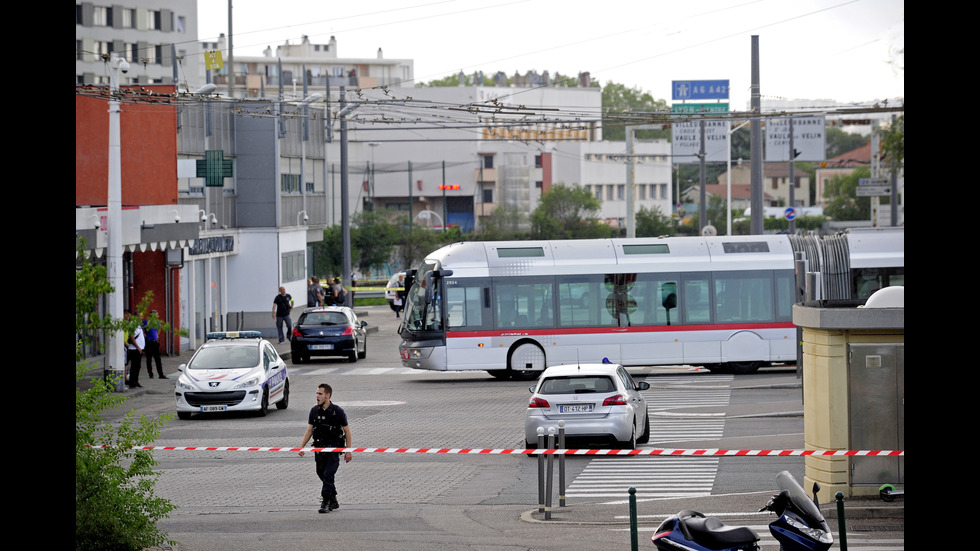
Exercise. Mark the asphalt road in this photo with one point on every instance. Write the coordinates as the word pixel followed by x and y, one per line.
pixel 268 500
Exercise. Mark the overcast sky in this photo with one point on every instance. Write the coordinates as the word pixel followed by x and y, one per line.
pixel 842 50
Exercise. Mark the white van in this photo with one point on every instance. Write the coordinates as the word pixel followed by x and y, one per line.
pixel 396 282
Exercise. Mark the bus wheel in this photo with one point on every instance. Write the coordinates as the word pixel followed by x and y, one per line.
pixel 526 361
pixel 743 367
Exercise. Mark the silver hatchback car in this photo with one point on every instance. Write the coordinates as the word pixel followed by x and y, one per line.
pixel 598 402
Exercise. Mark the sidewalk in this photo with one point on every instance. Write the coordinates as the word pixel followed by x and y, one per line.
pixel 171 363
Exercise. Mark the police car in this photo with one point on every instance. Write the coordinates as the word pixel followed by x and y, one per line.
pixel 232 371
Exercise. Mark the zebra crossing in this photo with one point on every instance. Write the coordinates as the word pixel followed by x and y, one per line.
pixel 658 476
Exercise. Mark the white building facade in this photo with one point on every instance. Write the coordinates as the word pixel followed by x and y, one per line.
pixel 152 34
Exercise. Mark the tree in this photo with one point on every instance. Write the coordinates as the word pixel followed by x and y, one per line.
pixel 506 223
pixel 893 144
pixel 567 212
pixel 329 254
pixel 621 105
pixel 653 223
pixel 373 237
pixel 115 505
pixel 416 242
pixel 842 200
pixel 840 142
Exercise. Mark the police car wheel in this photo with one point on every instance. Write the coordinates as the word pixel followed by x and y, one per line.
pixel 284 403
pixel 264 409
pixel 185 415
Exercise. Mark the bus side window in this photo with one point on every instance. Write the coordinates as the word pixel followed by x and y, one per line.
pixel 463 305
pixel 695 301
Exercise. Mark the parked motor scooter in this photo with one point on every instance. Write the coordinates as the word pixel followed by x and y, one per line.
pixel 800 525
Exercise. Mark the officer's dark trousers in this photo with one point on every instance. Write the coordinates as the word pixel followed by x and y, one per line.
pixel 326 467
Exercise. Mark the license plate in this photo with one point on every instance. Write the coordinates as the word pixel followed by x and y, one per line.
pixel 574 408
pixel 206 409
pixel 321 347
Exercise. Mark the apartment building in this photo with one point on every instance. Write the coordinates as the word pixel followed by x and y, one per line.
pixel 157 37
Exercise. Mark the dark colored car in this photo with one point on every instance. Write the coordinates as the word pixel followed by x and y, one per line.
pixel 328 331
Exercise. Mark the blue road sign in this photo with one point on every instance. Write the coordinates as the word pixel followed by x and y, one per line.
pixel 790 213
pixel 700 89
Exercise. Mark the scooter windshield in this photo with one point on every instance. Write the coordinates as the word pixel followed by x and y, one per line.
pixel 801 502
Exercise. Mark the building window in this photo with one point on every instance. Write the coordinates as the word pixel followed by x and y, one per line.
pixel 150 20
pixel 643 192
pixel 609 193
pixel 598 191
pixel 487 161
pixel 537 161
pixel 620 192
pixel 293 267
pixel 181 24
pixel 101 16
pixel 128 18
pixel 101 47
pixel 289 183
pixel 538 184
pixel 488 196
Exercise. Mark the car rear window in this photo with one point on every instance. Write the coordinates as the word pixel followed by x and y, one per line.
pixel 576 385
pixel 322 318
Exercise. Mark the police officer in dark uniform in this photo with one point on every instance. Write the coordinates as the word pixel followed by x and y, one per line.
pixel 328 428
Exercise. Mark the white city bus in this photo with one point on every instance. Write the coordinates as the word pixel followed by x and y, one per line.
pixel 513 308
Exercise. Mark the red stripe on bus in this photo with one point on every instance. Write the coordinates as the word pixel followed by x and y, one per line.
pixel 610 330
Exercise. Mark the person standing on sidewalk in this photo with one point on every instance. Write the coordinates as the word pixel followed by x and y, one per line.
pixel 282 305
pixel 134 352
pixel 329 429
pixel 152 348
pixel 339 293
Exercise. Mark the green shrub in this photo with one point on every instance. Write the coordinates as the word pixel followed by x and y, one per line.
pixel 115 506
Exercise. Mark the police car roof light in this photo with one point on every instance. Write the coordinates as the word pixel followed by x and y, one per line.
pixel 233 335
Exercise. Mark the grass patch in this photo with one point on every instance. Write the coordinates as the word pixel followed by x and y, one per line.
pixel 370 301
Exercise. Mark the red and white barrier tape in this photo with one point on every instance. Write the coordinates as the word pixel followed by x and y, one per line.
pixel 519 451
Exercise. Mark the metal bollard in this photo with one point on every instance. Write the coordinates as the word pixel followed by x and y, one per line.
pixel 561 464
pixel 551 466
pixel 540 470
pixel 634 539
pixel 841 525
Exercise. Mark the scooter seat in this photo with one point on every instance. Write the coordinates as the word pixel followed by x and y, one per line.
pixel 712 533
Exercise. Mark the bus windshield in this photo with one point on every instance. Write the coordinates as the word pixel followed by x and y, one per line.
pixel 423 302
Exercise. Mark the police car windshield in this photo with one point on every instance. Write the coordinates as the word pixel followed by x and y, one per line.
pixel 226 356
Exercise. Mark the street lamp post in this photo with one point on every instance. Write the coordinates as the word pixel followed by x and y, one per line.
pixel 116 360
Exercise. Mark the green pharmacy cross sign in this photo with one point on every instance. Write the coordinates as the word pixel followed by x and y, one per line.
pixel 214 168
